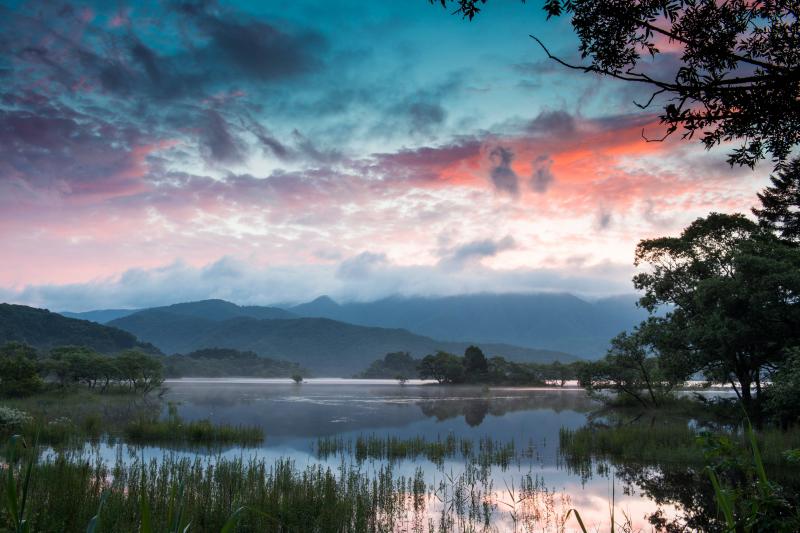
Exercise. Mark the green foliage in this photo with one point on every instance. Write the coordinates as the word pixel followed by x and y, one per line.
pixel 443 367
pixel 732 288
pixel 143 372
pixel 19 372
pixel 665 440
pixel 225 362
pixel 392 366
pixel 782 400
pixel 12 419
pixel 635 368
pixel 297 378
pixel 780 203
pixel 18 483
pixel 486 453
pixel 22 373
pixel 746 498
pixel 475 364
pixel 473 368
pixel 175 430
pixel 213 495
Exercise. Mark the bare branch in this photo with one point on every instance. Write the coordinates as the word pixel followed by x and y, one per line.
pixel 650 101
pixel 670 131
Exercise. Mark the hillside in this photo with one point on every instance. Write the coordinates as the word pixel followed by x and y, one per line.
pixel 101 316
pixel 561 322
pixel 325 347
pixel 45 330
pixel 208 309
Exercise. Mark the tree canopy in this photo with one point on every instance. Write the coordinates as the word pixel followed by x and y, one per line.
pixel 738 74
pixel 733 290
pixel 780 203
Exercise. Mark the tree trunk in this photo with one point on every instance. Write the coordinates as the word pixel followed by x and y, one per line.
pixel 747 397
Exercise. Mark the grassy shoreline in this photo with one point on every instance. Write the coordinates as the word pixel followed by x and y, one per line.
pixel 74 416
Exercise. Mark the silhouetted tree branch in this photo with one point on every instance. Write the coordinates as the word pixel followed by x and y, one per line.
pixel 739 64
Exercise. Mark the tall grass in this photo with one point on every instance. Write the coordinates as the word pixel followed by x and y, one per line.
pixel 197 432
pixel 71 490
pixel 661 443
pixel 136 426
pixel 488 452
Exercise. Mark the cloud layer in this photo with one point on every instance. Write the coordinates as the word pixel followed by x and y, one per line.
pixel 157 152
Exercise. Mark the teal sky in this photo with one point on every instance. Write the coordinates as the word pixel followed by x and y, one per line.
pixel 274 151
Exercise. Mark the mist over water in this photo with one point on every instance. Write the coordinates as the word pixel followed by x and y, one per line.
pixel 296 418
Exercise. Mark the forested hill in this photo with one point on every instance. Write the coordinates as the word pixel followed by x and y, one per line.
pixel 326 347
pixel 44 330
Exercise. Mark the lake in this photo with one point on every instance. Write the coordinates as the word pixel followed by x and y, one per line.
pixel 533 491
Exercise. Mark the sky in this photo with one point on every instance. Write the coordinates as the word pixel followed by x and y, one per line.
pixel 263 152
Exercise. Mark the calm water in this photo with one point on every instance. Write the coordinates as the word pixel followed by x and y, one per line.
pixel 294 417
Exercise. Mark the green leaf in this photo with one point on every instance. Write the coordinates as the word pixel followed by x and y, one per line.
pixel 144 507
pixel 233 520
pixel 578 518
pixel 723 500
pixel 11 484
pixel 95 520
pixel 762 473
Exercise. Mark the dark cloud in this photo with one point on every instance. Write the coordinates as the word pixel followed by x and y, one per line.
pixel 604 219
pixel 361 266
pixel 542 176
pixel 260 50
pixel 422 164
pixel 215 51
pixel 218 142
pixel 300 147
pixel 458 256
pixel 425 117
pixel 502 175
pixel 552 123
pixel 48 145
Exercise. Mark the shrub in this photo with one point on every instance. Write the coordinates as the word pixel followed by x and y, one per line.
pixel 11 418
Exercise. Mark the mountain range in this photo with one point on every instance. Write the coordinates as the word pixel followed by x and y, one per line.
pixel 324 346
pixel 551 321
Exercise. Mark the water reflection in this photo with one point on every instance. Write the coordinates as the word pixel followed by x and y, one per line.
pixel 533 492
pixel 287 411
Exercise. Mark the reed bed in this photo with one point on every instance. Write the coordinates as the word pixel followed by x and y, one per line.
pixel 171 493
pixel 196 432
pixel 488 452
pixel 663 443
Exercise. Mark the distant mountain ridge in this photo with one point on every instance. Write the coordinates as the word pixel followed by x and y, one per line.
pixel 554 321
pixel 101 316
pixel 44 330
pixel 324 346
pixel 213 309
pixel 551 321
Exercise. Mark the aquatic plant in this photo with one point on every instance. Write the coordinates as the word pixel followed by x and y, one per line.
pixel 176 430
pixel 488 452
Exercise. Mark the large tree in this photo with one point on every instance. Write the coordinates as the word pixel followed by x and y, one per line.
pixel 738 75
pixel 780 203
pixel 19 373
pixel 643 366
pixel 733 293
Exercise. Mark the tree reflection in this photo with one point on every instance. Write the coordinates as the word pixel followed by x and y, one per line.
pixel 475 409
